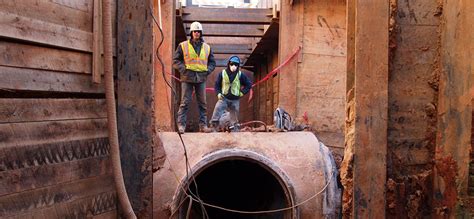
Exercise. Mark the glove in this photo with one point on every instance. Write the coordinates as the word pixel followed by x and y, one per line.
pixel 220 96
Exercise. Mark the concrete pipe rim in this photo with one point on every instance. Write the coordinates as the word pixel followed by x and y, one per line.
pixel 221 155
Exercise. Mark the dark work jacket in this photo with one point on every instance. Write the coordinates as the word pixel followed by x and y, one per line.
pixel 244 81
pixel 188 75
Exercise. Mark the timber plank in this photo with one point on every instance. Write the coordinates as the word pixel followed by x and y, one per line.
pixel 291 37
pixel 371 107
pixel 13 158
pixel 223 62
pixel 97 42
pixel 51 12
pixel 83 208
pixel 35 57
pixel 35 177
pixel 324 41
pixel 37 199
pixel 231 48
pixel 142 96
pixel 42 80
pixel 28 29
pixel 18 134
pixel 230 40
pixel 227 15
pixel 231 30
pixel 30 110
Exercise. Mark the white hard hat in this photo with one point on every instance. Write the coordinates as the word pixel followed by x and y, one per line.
pixel 196 26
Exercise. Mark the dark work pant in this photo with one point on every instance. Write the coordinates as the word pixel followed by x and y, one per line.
pixel 186 99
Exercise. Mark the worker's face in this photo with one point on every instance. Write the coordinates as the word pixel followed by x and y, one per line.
pixel 196 34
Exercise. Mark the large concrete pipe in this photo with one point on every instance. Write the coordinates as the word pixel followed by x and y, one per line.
pixel 247 172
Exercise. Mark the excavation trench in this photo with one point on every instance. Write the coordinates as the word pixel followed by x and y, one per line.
pixel 240 184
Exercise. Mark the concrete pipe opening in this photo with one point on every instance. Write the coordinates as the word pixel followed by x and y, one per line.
pixel 240 183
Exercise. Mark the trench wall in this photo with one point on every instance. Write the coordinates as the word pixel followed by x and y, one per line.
pixel 54 151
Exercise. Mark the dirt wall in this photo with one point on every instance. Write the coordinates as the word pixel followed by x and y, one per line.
pixel 413 100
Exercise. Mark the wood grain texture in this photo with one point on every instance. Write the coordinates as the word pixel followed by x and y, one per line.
pixel 33 110
pixel 24 79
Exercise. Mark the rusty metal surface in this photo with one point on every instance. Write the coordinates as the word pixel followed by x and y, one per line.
pixel 295 155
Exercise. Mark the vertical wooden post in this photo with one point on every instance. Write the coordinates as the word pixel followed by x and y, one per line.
pixel 163 93
pixel 96 47
pixel 136 101
pixel 371 106
pixel 454 108
pixel 291 36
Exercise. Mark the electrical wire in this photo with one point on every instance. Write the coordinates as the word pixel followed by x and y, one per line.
pixel 333 175
pixel 255 121
pixel 196 196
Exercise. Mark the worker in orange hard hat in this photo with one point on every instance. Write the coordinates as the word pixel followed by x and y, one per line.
pixel 195 61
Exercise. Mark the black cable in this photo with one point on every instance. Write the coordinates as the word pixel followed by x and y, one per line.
pixel 196 196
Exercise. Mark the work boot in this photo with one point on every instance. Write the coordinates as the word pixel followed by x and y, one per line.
pixel 181 129
pixel 205 129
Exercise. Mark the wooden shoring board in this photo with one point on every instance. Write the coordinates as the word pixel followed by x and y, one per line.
pixel 371 108
pixel 33 110
pixel 39 32
pixel 291 37
pixel 42 11
pixel 18 134
pixel 231 30
pixel 35 177
pixel 227 15
pixel 36 57
pixel 25 79
pixel 231 48
pixel 97 42
pixel 37 199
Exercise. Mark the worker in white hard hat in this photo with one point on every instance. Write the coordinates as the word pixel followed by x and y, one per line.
pixel 195 61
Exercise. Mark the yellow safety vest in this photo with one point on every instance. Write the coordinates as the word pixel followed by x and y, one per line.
pixel 234 87
pixel 192 61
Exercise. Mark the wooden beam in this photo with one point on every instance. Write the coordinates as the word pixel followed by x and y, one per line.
pixel 231 40
pixel 42 11
pixel 91 206
pixel 231 48
pixel 454 108
pixel 223 62
pixel 19 134
pixel 24 79
pixel 227 15
pixel 97 39
pixel 136 100
pixel 291 37
pixel 44 198
pixel 28 56
pixel 20 180
pixel 162 93
pixel 31 110
pixel 371 108
pixel 231 30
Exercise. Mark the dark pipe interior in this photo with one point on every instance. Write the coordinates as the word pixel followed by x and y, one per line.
pixel 240 185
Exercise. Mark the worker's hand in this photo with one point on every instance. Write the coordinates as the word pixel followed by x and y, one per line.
pixel 220 96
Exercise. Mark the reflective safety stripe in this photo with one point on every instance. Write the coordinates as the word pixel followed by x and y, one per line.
pixel 192 60
pixel 234 87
